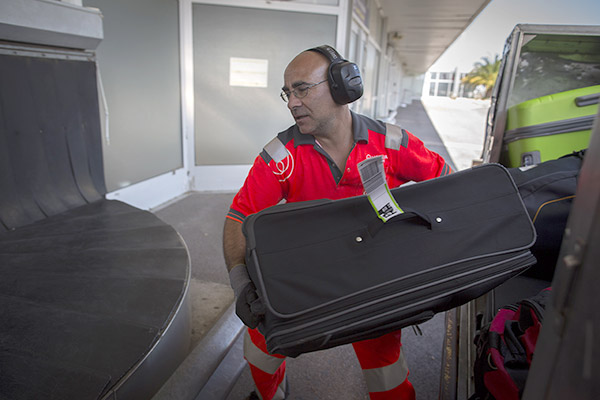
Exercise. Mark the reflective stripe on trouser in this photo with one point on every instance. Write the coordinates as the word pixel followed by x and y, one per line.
pixel 381 359
pixel 384 367
pixel 268 370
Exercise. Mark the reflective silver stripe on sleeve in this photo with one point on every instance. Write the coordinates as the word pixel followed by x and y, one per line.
pixel 259 358
pixel 388 377
pixel 276 150
pixel 395 137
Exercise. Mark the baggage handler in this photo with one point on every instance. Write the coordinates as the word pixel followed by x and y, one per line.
pixel 317 158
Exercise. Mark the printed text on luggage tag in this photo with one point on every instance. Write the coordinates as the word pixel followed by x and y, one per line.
pixel 372 176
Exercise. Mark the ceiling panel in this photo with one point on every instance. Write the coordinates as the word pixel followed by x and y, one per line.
pixel 421 30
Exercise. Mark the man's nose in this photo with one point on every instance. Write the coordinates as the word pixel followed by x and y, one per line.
pixel 293 102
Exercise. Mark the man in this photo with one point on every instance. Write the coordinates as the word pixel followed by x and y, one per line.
pixel 317 158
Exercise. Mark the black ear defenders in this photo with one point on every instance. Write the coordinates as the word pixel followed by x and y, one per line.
pixel 344 78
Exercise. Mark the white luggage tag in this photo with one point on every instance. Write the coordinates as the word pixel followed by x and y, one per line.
pixel 372 176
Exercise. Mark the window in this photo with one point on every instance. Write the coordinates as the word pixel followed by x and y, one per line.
pixel 443 89
pixel 555 63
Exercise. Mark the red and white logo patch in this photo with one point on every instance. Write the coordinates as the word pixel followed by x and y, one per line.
pixel 284 168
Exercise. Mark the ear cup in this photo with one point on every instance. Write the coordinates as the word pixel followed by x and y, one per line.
pixel 345 82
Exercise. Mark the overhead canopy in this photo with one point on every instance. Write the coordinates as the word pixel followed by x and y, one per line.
pixel 421 30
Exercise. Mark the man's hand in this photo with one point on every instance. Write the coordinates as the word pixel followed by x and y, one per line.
pixel 248 306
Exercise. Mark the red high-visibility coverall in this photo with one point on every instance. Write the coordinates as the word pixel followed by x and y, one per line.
pixel 295 167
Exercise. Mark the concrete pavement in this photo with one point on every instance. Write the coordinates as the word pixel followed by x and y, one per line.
pixel 460 124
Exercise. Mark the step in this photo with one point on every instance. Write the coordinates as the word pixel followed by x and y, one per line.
pixel 216 362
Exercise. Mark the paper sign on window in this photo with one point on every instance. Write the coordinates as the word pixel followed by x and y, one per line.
pixel 248 72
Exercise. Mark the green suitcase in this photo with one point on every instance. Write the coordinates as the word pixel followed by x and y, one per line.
pixel 549 127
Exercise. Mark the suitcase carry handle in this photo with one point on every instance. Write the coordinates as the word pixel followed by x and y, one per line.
pixel 584 101
pixel 409 214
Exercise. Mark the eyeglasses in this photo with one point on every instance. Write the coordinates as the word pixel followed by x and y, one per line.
pixel 300 92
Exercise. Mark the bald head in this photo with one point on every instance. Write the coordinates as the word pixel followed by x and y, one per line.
pixel 308 64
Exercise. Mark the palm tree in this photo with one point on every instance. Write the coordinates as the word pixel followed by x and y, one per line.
pixel 485 74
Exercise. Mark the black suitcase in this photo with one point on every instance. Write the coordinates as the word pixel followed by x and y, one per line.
pixel 548 190
pixel 331 272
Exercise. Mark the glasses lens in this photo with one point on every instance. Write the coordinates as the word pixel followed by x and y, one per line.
pixel 302 91
pixel 284 96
